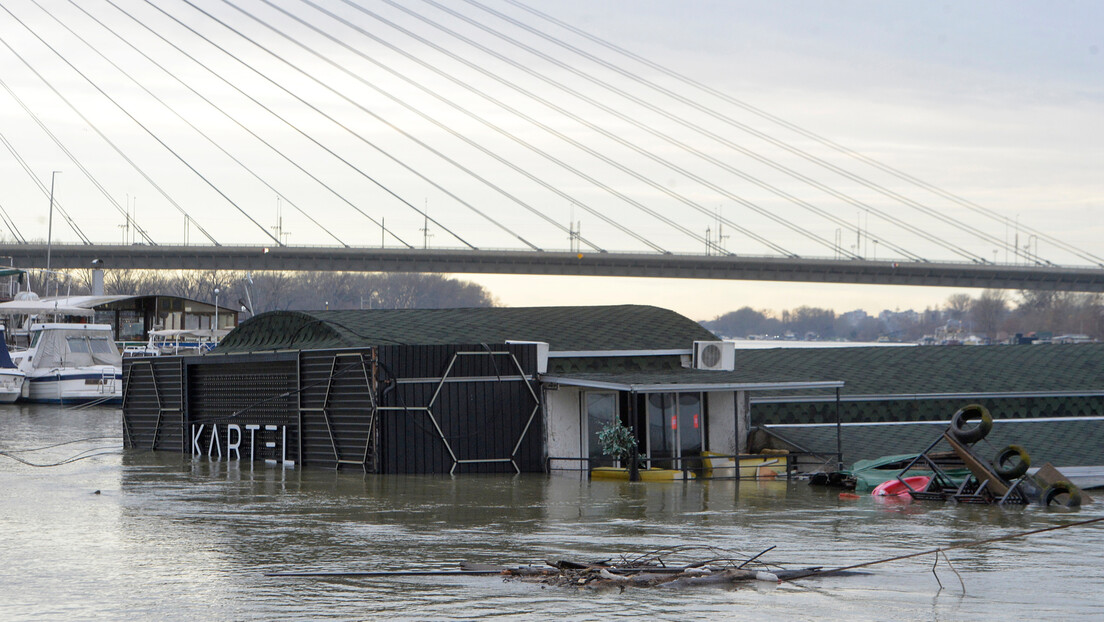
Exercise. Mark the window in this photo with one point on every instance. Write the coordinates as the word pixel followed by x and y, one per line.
pixel 100 345
pixel 77 345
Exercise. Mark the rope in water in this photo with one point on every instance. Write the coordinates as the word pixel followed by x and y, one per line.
pixel 947 548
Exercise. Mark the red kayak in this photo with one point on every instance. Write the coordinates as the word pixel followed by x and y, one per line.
pixel 896 488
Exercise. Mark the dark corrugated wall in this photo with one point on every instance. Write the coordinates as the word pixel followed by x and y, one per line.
pixel 317 407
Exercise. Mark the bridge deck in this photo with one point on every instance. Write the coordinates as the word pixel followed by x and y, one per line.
pixel 338 259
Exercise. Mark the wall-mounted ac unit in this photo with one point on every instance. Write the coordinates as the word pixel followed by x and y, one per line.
pixel 715 355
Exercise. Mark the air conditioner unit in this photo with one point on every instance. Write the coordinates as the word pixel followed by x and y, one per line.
pixel 715 355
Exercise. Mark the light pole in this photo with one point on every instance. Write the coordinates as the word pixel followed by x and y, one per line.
pixel 50 225
pixel 214 333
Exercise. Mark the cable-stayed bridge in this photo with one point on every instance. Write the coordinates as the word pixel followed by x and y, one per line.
pixel 466 136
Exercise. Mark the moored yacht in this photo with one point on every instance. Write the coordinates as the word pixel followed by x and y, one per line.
pixel 11 379
pixel 69 363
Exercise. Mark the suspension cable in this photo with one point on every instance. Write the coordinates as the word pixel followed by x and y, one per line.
pixel 146 129
pixel 699 129
pixel 375 116
pixel 110 142
pixel 763 136
pixel 76 162
pixel 10 224
pixel 186 122
pixel 239 124
pixel 478 68
pixel 430 119
pixel 312 107
pixel 980 209
pixel 42 186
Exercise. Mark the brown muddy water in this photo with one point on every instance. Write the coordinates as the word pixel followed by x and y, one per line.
pixel 172 538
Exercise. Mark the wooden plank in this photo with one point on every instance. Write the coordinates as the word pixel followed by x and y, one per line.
pixel 980 468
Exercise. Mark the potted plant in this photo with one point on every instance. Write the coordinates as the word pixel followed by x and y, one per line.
pixel 618 441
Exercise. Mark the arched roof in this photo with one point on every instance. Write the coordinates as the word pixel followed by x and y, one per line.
pixel 621 327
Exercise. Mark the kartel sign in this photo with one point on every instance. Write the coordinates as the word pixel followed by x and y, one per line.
pixel 267 440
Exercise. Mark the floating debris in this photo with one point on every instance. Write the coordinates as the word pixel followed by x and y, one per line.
pixel 657 569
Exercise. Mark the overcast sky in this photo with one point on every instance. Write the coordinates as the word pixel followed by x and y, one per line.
pixel 1000 103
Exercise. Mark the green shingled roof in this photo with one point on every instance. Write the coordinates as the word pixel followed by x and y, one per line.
pixel 938 369
pixel 622 327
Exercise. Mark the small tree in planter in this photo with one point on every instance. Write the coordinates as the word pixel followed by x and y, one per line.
pixel 618 441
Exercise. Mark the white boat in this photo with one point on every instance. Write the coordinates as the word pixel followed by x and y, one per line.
pixel 182 341
pixel 70 363
pixel 11 379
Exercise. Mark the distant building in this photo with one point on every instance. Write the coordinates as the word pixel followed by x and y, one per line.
pixel 131 317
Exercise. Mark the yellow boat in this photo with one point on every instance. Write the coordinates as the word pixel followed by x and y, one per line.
pixel 646 475
pixel 768 466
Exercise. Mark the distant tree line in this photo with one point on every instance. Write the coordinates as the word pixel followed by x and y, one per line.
pixel 993 314
pixel 271 291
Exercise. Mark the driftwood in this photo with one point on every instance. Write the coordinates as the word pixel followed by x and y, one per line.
pixel 655 570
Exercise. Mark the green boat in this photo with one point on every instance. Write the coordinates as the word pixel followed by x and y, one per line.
pixel 869 474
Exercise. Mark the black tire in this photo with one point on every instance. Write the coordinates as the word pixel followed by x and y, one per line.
pixel 961 428
pixel 1011 462
pixel 1073 499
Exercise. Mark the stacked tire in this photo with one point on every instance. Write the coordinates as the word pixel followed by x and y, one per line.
pixel 967 433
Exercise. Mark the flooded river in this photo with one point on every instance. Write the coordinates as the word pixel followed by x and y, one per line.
pixel 172 538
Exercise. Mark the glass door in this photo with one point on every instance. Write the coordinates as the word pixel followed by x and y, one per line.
pixel 662 430
pixel 675 424
pixel 690 422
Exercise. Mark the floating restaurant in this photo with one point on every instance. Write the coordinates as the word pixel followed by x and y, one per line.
pixel 450 390
pixel 505 390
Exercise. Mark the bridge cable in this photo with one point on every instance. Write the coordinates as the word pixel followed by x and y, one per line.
pixel 315 108
pixel 45 191
pixel 148 131
pixel 111 143
pixel 617 138
pixel 917 231
pixel 361 107
pixel 10 224
pixel 76 162
pixel 235 121
pixel 460 136
pixel 181 117
pixel 704 156
pixel 442 126
pixel 518 140
pixel 292 126
pixel 777 166
pixel 980 209
pixel 476 67
pixel 766 137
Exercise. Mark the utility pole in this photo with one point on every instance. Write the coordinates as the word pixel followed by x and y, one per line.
pixel 425 226
pixel 50 225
